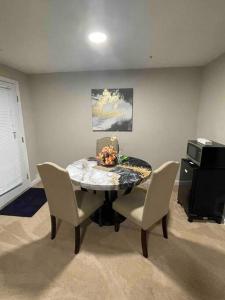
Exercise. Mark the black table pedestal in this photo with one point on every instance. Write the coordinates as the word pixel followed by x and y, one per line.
pixel 105 215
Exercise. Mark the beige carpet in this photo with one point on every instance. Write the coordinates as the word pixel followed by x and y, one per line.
pixel 190 265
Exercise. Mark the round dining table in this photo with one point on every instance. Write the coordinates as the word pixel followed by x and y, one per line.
pixel 120 178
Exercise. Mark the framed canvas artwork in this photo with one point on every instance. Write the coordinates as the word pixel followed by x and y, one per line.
pixel 112 109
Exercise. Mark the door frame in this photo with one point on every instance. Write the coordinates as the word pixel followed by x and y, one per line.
pixel 11 195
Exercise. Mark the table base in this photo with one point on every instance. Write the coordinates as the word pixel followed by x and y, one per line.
pixel 105 215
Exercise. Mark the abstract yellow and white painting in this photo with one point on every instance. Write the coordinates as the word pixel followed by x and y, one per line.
pixel 112 109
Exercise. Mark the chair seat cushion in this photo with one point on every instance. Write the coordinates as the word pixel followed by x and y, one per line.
pixel 76 187
pixel 131 206
pixel 144 185
pixel 88 203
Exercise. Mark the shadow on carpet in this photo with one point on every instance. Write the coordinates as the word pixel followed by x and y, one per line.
pixel 27 204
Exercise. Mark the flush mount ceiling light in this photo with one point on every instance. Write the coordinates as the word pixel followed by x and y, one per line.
pixel 97 37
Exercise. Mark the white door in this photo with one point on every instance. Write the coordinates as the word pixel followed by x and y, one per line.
pixel 13 160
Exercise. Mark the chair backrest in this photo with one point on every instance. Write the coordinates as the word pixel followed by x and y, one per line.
pixel 106 141
pixel 159 192
pixel 59 191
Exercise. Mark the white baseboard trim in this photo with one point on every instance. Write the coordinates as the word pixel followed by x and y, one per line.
pixel 36 180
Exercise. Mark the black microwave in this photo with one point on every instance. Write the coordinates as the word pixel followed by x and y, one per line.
pixel 206 156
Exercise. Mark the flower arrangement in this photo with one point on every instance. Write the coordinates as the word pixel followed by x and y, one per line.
pixel 107 156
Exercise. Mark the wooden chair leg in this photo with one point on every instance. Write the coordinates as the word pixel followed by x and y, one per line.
pixel 77 239
pixel 144 242
pixel 53 227
pixel 116 222
pixel 164 227
pixel 100 216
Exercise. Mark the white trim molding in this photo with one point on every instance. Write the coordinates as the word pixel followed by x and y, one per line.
pixel 36 180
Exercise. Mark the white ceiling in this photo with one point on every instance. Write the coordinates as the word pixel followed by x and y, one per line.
pixel 38 36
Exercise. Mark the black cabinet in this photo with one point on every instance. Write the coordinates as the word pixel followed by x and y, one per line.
pixel 201 191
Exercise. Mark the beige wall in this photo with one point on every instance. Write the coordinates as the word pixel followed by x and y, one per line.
pixel 167 111
pixel 27 113
pixel 211 119
pixel 164 116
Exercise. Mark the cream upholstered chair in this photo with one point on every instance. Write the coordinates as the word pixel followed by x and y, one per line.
pixel 106 141
pixel 146 207
pixel 65 203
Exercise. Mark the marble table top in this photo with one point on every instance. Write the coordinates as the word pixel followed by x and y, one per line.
pixel 87 174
